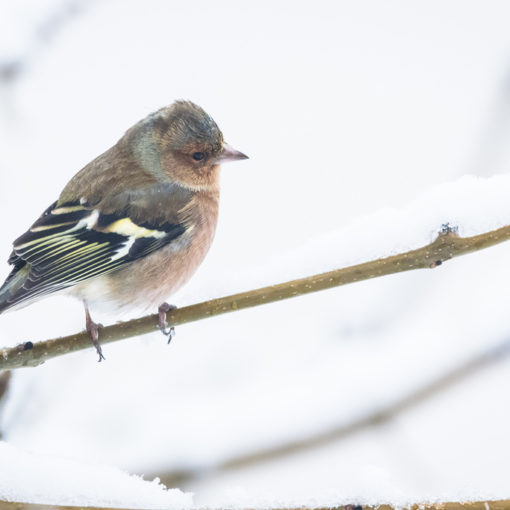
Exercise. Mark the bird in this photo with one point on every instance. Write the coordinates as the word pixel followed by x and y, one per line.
pixel 131 227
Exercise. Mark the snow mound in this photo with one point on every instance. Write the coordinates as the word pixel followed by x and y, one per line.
pixel 29 478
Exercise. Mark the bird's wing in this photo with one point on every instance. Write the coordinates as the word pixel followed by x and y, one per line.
pixel 72 242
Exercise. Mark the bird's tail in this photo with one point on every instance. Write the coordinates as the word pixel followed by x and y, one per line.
pixel 11 292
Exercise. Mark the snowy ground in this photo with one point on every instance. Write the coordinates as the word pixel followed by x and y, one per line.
pixel 32 478
pixel 360 120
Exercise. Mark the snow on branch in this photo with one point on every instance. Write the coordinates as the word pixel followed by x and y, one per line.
pixel 474 505
pixel 448 244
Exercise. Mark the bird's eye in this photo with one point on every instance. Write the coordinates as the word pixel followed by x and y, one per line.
pixel 198 156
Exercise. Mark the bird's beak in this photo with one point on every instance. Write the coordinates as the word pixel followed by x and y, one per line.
pixel 228 153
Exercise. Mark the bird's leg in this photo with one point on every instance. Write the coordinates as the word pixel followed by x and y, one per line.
pixel 93 330
pixel 164 327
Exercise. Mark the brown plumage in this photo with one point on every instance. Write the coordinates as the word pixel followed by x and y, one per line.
pixel 133 225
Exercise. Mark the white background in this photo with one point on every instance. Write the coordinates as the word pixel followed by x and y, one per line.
pixel 345 109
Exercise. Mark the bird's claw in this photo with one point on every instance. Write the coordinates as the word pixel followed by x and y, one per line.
pixel 93 330
pixel 100 352
pixel 164 327
pixel 169 333
pixel 95 340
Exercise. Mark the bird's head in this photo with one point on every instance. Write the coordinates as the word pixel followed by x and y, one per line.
pixel 187 143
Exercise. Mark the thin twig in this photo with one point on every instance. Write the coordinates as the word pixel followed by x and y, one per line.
pixel 446 246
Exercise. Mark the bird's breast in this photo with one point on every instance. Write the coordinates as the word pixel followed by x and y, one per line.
pixel 147 282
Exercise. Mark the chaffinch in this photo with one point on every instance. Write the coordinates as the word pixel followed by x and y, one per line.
pixel 132 226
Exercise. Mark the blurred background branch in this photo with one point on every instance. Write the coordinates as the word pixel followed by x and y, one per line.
pixel 5 379
pixel 343 431
pixel 55 20
pixel 490 152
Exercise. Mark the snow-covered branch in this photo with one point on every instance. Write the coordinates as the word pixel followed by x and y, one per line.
pixel 474 505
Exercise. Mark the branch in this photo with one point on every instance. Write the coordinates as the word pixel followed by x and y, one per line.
pixel 474 505
pixel 446 246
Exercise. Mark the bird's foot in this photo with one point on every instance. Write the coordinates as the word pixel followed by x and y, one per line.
pixel 93 330
pixel 164 327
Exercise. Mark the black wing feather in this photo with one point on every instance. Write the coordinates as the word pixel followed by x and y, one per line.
pixel 72 242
